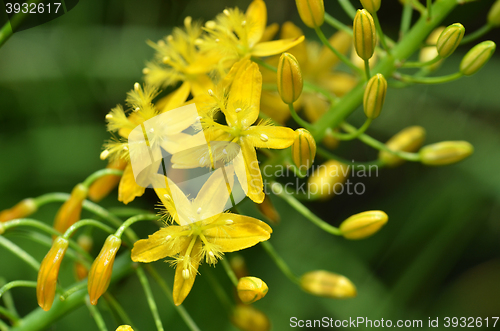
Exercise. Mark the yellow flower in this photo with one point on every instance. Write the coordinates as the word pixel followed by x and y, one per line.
pixel 178 59
pixel 49 271
pixel 238 98
pixel 23 209
pixel 141 109
pixel 104 185
pixel 202 231
pixel 236 35
pixel 70 211
pixel 124 328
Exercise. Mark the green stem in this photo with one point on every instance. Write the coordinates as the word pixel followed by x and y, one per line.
pixel 428 80
pixel 415 157
pixel 282 265
pixel 229 271
pixel 16 283
pixel 381 35
pixel 96 315
pixel 357 165
pixel 348 8
pixel 297 118
pixel 7 298
pixel 86 222
pixel 405 19
pixel 132 220
pixel 420 8
pixel 421 64
pixel 166 289
pixel 101 173
pixel 429 9
pixel 19 252
pixel 9 315
pixel 219 291
pixel 150 298
pixel 74 289
pixel 3 326
pixel 367 70
pixel 354 134
pixel 127 211
pixel 9 26
pixel 341 56
pixel 337 24
pixel 277 189
pixel 114 304
pixel 476 34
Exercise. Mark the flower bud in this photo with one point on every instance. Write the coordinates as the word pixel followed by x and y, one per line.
pixel 477 57
pixel 429 53
pixel 24 208
pixel 267 209
pixel 371 5
pixel 238 265
pixel 363 225
pixel 445 152
pixel 289 78
pixel 251 289
pixel 105 184
pixel 494 14
pixel 449 39
pixel 70 211
pixel 124 328
pixel 324 182
pixel 374 97
pixel 365 37
pixel 303 150
pixel 248 318
pixel 327 284
pixel 312 12
pixel 101 269
pixel 48 273
pixel 407 140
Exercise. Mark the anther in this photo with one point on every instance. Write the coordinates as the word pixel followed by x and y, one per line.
pixel 104 154
pixel 237 110
pixel 243 23
pixel 137 109
pixel 264 137
pixel 170 38
pixel 125 148
pixel 137 87
pixel 151 130
pixel 187 21
pixel 168 237
pixel 210 24
pixel 146 71
pixel 229 222
pixel 226 12
pixel 166 60
pixel 185 274
pixel 210 92
pixel 109 116
pixel 199 210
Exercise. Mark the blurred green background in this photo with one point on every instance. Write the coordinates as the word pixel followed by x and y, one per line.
pixel 438 255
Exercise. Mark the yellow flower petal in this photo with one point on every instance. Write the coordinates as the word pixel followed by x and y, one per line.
pixel 174 99
pixel 270 32
pixel 214 194
pixel 182 286
pixel 276 137
pixel 240 233
pixel 291 31
pixel 342 41
pixel 314 106
pixel 339 82
pixel 201 85
pixel 254 185
pixel 256 15
pixel 157 246
pixel 128 188
pixel 274 107
pixel 275 47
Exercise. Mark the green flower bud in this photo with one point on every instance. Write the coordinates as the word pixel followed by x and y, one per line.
pixel 445 152
pixel 251 289
pixel 494 14
pixel 303 150
pixel 312 12
pixel 477 57
pixel 363 225
pixel 364 34
pixel 371 5
pixel 407 140
pixel 327 284
pixel 289 78
pixel 374 97
pixel 449 39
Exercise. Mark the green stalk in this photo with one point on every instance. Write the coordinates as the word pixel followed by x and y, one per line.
pixel 20 253
pixel 96 315
pixel 229 271
pixel 476 34
pixel 150 298
pixel 337 24
pixel 282 265
pixel 101 173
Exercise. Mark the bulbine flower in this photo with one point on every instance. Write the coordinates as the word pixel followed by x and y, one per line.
pixel 203 231
pixel 238 98
pixel 327 284
pixel 445 152
pixel 289 78
pixel 407 140
pixel 251 289
pixel 477 57
pixel 312 12
pixel 23 209
pixel 365 38
pixel 105 184
pixel 303 150
pixel 70 211
pixel 363 225
pixel 49 271
pixel 449 39
pixel 100 272
pixel 374 97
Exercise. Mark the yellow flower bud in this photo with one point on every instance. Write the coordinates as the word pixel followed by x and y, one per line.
pixel 449 39
pixel 429 53
pixel 267 209
pixel 407 140
pixel 289 78
pixel 364 34
pixel 374 97
pixel 445 152
pixel 371 5
pixel 327 284
pixel 477 57
pixel 363 225
pixel 124 328
pixel 100 272
pixel 105 184
pixel 324 182
pixel 24 208
pixel 312 12
pixel 238 265
pixel 251 289
pixel 303 150
pixel 494 14
pixel 70 211
pixel 48 273
pixel 248 318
